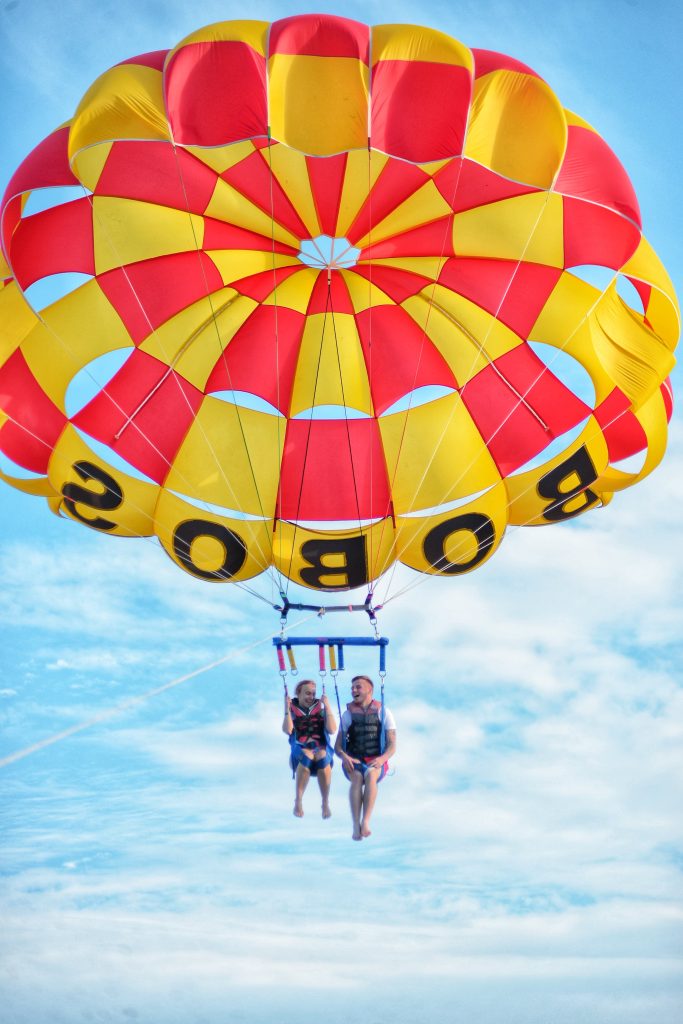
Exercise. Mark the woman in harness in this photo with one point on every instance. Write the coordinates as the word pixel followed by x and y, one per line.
pixel 365 742
pixel 309 723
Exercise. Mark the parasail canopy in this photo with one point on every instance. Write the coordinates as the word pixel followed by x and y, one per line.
pixel 316 297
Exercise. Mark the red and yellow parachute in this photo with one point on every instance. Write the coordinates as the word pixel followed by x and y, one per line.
pixel 329 257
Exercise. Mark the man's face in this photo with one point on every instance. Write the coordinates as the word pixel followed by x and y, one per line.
pixel 361 691
pixel 307 695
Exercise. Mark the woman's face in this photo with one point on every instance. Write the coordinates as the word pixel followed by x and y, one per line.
pixel 307 695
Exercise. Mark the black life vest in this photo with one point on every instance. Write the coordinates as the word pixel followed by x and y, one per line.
pixel 364 736
pixel 309 724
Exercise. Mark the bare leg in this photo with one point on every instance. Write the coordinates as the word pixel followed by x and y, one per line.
pixel 324 780
pixel 356 801
pixel 302 777
pixel 369 797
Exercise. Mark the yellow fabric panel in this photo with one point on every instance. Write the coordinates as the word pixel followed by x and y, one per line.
pixel 77 329
pixel 192 341
pixel 134 516
pixel 468 534
pixel 632 354
pixel 125 102
pixel 435 455
pixel 371 551
pixel 127 231
pixel 17 319
pixel 426 266
pixel 39 486
pixel 221 158
pixel 327 344
pixel 88 164
pixel 652 418
pixel 234 264
pixel 525 227
pixel 290 170
pixel 517 127
pixel 466 335
pixel 422 207
pixel 363 293
pixel 413 42
pixel 230 458
pixel 574 121
pixel 318 105
pixel 253 33
pixel 295 291
pixel 564 322
pixel 207 553
pixel 663 310
pixel 229 205
pixel 363 168
pixel 527 506
pixel 4 269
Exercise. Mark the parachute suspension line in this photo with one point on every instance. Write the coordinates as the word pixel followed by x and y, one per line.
pixel 130 702
pixel 263 561
pixel 269 567
pixel 371 532
pixel 346 412
pixel 520 400
pixel 430 303
pixel 308 437
pixel 278 520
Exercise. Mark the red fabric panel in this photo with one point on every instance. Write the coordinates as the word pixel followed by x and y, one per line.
pixel 154 59
pixel 465 185
pixel 55 241
pixel 47 164
pixel 398 355
pixel 590 170
pixel 486 61
pixel 253 178
pixel 326 175
pixel 156 173
pixel 668 397
pixel 339 300
pixel 149 293
pixel 514 293
pixel 219 235
pixel 261 358
pixel 216 93
pixel 23 399
pixel 409 115
pixel 623 433
pixel 320 35
pixel 397 181
pixel 595 234
pixel 151 441
pixel 397 284
pixel 259 286
pixel 512 433
pixel 333 470
pixel 435 239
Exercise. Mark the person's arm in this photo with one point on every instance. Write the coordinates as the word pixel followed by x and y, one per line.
pixel 389 750
pixel 287 724
pixel 339 749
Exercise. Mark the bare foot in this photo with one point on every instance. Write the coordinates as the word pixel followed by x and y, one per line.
pixel 356 836
pixel 298 811
pixel 327 813
pixel 365 831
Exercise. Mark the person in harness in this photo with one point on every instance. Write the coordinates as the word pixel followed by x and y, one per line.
pixel 309 723
pixel 365 742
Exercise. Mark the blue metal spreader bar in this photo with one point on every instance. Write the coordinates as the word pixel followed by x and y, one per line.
pixel 335 646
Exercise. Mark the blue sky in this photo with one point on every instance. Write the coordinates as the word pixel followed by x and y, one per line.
pixel 526 862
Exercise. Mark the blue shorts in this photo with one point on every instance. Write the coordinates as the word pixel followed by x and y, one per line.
pixel 302 756
pixel 362 767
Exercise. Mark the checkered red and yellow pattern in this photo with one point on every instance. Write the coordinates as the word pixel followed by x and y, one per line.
pixel 328 420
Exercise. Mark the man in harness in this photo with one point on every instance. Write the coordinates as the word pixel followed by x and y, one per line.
pixel 309 723
pixel 365 742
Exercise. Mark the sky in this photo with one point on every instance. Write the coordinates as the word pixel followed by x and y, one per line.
pixel 525 866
